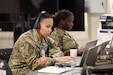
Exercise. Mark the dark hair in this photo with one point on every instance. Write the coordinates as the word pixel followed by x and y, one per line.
pixel 40 17
pixel 61 15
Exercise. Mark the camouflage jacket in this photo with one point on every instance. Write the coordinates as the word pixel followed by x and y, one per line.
pixel 104 59
pixel 27 49
pixel 63 40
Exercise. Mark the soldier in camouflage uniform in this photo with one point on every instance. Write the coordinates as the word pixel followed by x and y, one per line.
pixel 63 22
pixel 104 58
pixel 27 52
pixel 63 40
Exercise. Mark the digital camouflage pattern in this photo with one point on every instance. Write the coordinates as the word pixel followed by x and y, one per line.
pixel 63 40
pixel 104 59
pixel 27 50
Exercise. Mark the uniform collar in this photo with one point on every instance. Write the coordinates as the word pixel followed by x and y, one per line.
pixel 62 31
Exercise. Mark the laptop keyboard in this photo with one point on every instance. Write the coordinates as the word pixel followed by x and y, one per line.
pixel 75 63
pixel 66 64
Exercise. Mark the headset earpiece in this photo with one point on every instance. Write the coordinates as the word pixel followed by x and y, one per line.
pixel 36 24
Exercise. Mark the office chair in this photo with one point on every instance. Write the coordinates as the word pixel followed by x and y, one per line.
pixel 5 54
pixel 4 57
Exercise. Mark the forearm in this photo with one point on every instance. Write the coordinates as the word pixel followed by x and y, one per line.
pixel 40 63
pixel 50 62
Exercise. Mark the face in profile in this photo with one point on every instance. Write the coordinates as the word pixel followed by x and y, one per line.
pixel 46 27
pixel 68 23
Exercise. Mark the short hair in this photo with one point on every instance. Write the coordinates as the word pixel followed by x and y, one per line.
pixel 61 15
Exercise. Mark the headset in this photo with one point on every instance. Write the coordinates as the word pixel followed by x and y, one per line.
pixel 36 24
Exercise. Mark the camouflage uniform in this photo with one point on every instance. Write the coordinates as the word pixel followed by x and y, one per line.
pixel 104 59
pixel 27 50
pixel 63 40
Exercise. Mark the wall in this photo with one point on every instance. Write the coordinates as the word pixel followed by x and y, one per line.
pixel 6 39
pixel 92 24
pixel 90 33
pixel 91 27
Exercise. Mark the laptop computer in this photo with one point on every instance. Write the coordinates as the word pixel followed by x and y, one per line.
pixel 101 47
pixel 79 60
pixel 90 60
pixel 87 46
pixel 92 52
pixel 103 51
pixel 91 57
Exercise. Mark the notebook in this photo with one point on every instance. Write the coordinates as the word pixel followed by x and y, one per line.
pixel 54 69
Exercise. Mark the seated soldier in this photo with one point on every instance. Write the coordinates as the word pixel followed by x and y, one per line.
pixel 64 22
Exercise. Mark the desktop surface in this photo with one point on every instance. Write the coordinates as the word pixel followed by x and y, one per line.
pixel 78 59
pixel 65 73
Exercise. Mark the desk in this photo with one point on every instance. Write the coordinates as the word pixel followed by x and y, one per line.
pixel 66 73
pixel 72 72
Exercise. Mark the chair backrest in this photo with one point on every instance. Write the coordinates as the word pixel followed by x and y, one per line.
pixel 5 53
pixel 6 67
pixel 87 46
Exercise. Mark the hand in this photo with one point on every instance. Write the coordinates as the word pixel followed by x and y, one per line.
pixel 42 60
pixel 64 59
pixel 80 51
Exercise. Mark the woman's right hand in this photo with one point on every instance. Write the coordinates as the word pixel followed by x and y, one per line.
pixel 64 59
pixel 42 60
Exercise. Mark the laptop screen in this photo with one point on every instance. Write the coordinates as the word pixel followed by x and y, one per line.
pixel 87 46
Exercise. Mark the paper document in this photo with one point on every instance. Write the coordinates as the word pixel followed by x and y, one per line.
pixel 53 69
